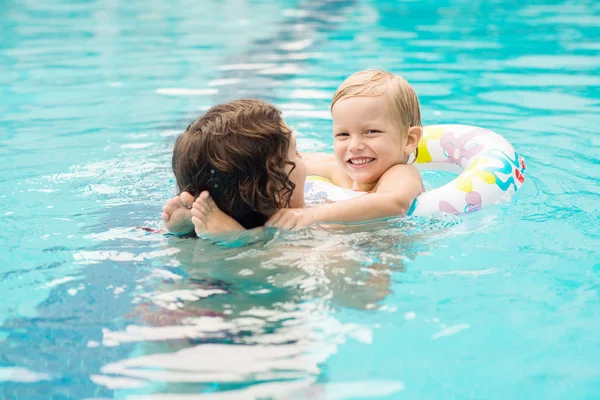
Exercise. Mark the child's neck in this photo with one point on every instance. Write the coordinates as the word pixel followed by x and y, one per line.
pixel 363 187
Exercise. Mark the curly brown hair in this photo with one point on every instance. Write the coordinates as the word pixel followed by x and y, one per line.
pixel 238 151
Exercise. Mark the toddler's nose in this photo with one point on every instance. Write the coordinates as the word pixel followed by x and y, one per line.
pixel 356 144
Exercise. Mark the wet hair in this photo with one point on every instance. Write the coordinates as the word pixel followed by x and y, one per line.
pixel 238 151
pixel 404 103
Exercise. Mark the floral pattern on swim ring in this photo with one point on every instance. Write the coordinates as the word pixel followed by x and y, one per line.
pixel 464 182
pixel 522 163
pixel 457 149
pixel 430 134
pixel 473 200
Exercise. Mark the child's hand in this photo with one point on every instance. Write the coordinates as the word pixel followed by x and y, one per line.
pixel 177 216
pixel 290 219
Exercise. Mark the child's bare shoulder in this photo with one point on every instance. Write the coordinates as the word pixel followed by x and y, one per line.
pixel 403 176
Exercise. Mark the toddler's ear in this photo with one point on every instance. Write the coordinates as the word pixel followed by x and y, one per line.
pixel 415 133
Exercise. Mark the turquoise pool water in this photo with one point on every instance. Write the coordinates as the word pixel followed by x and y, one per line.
pixel 503 303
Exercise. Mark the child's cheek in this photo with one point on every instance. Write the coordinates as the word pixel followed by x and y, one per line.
pixel 338 152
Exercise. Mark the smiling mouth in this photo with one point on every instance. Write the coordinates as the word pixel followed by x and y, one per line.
pixel 360 161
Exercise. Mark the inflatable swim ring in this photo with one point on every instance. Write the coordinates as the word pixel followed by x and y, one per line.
pixel 490 171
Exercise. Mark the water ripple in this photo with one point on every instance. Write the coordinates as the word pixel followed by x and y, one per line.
pixel 92 96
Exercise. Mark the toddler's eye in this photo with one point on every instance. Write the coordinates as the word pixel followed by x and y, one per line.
pixel 373 131
pixel 342 134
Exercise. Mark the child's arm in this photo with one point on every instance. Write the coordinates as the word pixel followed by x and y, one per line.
pixel 319 164
pixel 393 196
pixel 325 165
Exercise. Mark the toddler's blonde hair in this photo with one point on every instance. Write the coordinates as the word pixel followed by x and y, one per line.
pixel 404 103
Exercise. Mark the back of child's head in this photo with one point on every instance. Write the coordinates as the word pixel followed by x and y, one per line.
pixel 238 151
pixel 403 100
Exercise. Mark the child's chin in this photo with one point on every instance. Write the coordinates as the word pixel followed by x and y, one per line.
pixel 363 178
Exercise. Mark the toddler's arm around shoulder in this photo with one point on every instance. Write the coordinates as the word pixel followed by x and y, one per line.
pixel 319 164
pixel 404 181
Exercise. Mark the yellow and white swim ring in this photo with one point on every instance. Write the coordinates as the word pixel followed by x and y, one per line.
pixel 490 171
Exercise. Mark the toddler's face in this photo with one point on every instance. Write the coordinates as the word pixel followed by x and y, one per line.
pixel 367 142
